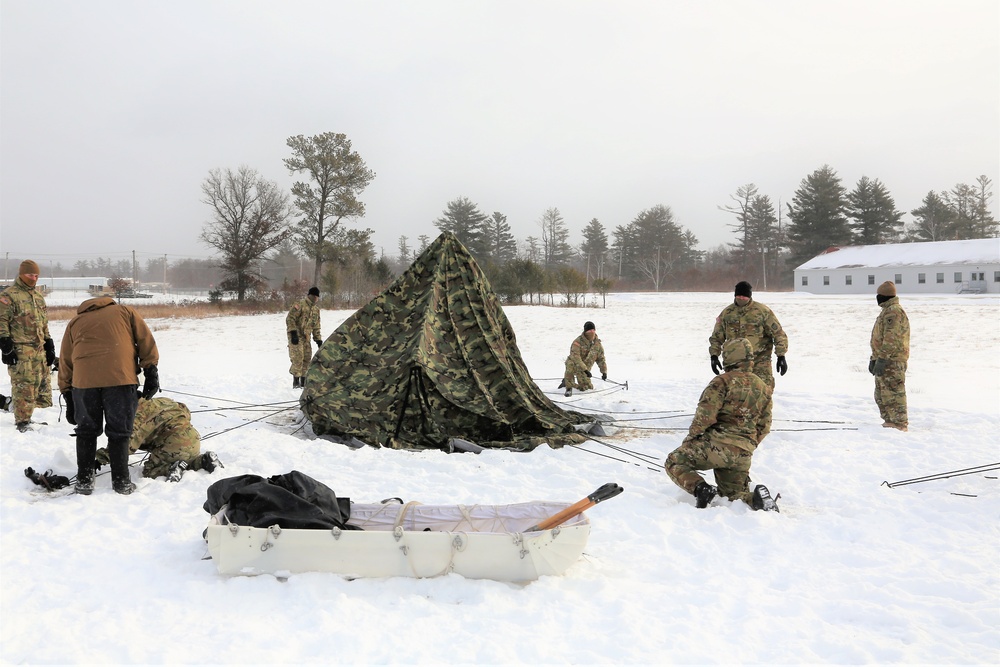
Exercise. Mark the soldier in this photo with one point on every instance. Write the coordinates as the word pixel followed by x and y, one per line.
pixel 890 352
pixel 733 416
pixel 163 428
pixel 302 320
pixel 745 318
pixel 102 349
pixel 26 346
pixel 585 351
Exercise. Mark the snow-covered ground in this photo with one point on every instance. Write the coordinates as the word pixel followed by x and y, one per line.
pixel 850 571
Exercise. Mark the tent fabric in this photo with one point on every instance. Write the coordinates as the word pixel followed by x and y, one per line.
pixel 291 500
pixel 432 358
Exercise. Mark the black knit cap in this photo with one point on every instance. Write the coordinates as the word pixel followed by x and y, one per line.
pixel 588 326
pixel 743 288
pixel 313 291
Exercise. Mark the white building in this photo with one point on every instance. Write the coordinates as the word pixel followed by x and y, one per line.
pixel 937 267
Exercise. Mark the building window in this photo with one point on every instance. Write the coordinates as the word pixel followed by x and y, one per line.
pixel 805 280
pixel 847 279
pixel 940 278
pixel 958 276
pixel 899 279
pixel 996 276
pixel 826 280
pixel 981 276
pixel 921 278
pixel 871 280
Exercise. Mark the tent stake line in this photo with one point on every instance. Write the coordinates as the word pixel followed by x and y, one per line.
pixel 945 475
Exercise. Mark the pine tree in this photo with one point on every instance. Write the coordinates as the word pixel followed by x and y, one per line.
pixel 817 217
pixel 497 238
pixel 933 220
pixel 555 239
pixel 594 248
pixel 464 219
pixel 985 224
pixel 873 213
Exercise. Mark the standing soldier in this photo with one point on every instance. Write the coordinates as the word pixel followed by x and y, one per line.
pixel 301 321
pixel 585 351
pixel 163 428
pixel 745 318
pixel 102 349
pixel 27 347
pixel 733 416
pixel 890 352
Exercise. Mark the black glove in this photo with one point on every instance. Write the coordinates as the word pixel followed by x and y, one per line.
pixel 782 365
pixel 879 368
pixel 318 342
pixel 152 383
pixel 587 373
pixel 50 352
pixel 70 408
pixel 604 376
pixel 294 337
pixel 55 365
pixel 871 366
pixel 7 351
pixel 716 365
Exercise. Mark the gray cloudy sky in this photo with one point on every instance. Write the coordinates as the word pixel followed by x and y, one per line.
pixel 112 112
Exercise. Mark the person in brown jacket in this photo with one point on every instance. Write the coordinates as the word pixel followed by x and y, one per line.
pixel 102 349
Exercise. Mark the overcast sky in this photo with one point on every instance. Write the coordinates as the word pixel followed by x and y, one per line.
pixel 112 112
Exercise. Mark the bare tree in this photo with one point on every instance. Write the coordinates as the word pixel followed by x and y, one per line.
pixel 250 218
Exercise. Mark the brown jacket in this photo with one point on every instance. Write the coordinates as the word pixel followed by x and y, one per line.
pixel 102 344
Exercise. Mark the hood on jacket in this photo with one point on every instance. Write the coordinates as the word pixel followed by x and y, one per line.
pixel 95 304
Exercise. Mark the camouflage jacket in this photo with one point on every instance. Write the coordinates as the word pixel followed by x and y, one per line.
pixel 734 409
pixel 588 352
pixel 156 419
pixel 891 333
pixel 756 323
pixel 23 316
pixel 304 318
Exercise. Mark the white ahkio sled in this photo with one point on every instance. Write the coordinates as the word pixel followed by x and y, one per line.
pixel 514 543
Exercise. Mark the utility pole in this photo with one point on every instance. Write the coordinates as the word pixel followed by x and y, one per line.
pixel 657 268
pixel 135 273
pixel 763 261
pixel 164 274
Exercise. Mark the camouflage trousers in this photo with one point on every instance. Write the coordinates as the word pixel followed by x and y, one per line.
pixel 575 376
pixel 763 371
pixel 730 464
pixel 300 356
pixel 890 393
pixel 30 382
pixel 183 444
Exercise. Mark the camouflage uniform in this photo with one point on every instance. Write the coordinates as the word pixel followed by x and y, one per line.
pixel 733 416
pixel 303 317
pixel 583 354
pixel 163 428
pixel 756 323
pixel 891 341
pixel 25 320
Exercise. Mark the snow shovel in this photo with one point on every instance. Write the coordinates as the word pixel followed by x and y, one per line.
pixel 609 490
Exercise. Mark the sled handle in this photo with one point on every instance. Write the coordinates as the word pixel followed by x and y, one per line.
pixel 605 492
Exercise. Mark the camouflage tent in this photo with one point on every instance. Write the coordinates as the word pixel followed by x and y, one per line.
pixel 431 359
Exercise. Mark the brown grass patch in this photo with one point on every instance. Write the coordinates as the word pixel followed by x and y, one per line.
pixel 187 310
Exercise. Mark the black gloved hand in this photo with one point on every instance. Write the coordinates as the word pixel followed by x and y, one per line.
pixel 7 351
pixel 152 383
pixel 871 366
pixel 716 364
pixel 587 373
pixel 879 368
pixel 50 352
pixel 319 343
pixel 604 376
pixel 782 365
pixel 70 408
pixel 294 337
pixel 55 365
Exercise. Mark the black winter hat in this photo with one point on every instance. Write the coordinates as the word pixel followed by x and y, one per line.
pixel 588 326
pixel 313 291
pixel 743 288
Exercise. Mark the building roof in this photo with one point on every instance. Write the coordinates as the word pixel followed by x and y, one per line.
pixel 941 253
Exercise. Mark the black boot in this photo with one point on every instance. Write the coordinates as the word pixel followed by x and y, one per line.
pixel 703 494
pixel 762 499
pixel 302 382
pixel 120 478
pixel 86 453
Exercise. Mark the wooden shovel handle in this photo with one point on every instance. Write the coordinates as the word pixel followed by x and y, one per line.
pixel 603 493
